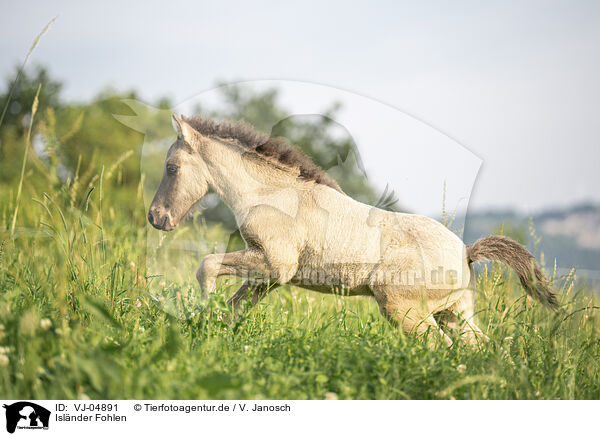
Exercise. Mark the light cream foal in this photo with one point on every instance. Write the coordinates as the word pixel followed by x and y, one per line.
pixel 300 228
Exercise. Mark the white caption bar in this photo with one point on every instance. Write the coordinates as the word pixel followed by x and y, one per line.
pixel 296 417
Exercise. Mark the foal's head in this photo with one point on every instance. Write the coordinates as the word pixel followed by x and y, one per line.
pixel 184 179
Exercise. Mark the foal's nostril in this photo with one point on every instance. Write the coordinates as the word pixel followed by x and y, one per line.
pixel 150 218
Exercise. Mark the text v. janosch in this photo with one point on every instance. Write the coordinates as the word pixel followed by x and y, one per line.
pixel 88 412
pixel 236 407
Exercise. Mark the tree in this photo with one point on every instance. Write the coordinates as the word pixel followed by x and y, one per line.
pixel 18 111
pixel 19 107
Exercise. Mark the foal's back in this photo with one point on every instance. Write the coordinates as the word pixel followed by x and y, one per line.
pixel 351 236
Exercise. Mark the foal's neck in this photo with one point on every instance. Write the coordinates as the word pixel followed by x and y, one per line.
pixel 243 180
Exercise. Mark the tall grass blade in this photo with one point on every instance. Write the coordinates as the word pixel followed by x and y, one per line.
pixel 34 108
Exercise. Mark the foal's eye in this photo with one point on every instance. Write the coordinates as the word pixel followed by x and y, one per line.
pixel 172 169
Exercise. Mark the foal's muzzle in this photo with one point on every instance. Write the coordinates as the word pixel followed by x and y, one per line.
pixel 160 221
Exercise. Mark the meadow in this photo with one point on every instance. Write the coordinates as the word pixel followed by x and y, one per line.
pixel 91 309
pixel 81 317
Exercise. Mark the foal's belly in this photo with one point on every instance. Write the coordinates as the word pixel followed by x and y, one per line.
pixel 323 289
pixel 341 279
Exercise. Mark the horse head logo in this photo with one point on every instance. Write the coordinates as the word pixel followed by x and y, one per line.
pixel 25 414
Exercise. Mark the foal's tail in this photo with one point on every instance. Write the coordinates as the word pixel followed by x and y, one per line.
pixel 507 251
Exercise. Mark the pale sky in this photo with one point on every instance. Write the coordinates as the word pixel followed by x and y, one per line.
pixel 516 83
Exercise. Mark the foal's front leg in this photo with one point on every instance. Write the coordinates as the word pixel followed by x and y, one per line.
pixel 245 263
pixel 252 291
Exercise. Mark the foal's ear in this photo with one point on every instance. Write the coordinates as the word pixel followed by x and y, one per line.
pixel 183 129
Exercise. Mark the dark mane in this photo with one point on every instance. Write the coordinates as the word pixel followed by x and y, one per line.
pixel 276 148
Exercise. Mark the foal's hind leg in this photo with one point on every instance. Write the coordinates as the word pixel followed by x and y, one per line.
pixel 412 320
pixel 424 326
pixel 460 318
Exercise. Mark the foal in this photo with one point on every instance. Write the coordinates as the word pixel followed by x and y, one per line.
pixel 300 228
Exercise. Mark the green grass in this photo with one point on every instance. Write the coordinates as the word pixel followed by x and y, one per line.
pixel 81 318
